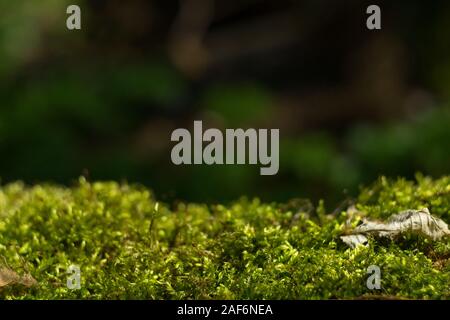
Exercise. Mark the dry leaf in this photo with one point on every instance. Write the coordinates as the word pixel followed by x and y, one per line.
pixel 9 277
pixel 410 221
pixel 28 281
pixel 354 240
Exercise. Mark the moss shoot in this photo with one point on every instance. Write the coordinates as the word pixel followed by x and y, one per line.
pixel 128 246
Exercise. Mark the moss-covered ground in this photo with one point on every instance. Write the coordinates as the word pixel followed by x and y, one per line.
pixel 128 246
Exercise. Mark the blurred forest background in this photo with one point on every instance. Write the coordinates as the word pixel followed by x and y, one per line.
pixel 350 103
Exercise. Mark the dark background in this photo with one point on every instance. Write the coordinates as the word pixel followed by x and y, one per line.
pixel 351 104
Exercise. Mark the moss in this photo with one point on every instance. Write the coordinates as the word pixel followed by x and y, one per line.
pixel 128 247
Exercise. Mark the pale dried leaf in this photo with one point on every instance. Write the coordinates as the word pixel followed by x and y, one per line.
pixel 354 240
pixel 410 221
pixel 9 277
pixel 28 281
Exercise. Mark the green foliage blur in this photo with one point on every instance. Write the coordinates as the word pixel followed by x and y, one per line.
pixel 103 101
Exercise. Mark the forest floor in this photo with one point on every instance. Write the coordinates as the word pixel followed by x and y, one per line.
pixel 107 240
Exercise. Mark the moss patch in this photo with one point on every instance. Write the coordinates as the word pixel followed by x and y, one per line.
pixel 127 247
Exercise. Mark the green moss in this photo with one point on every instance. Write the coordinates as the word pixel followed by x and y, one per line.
pixel 128 247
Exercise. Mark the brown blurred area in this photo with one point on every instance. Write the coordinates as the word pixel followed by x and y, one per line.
pixel 327 69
